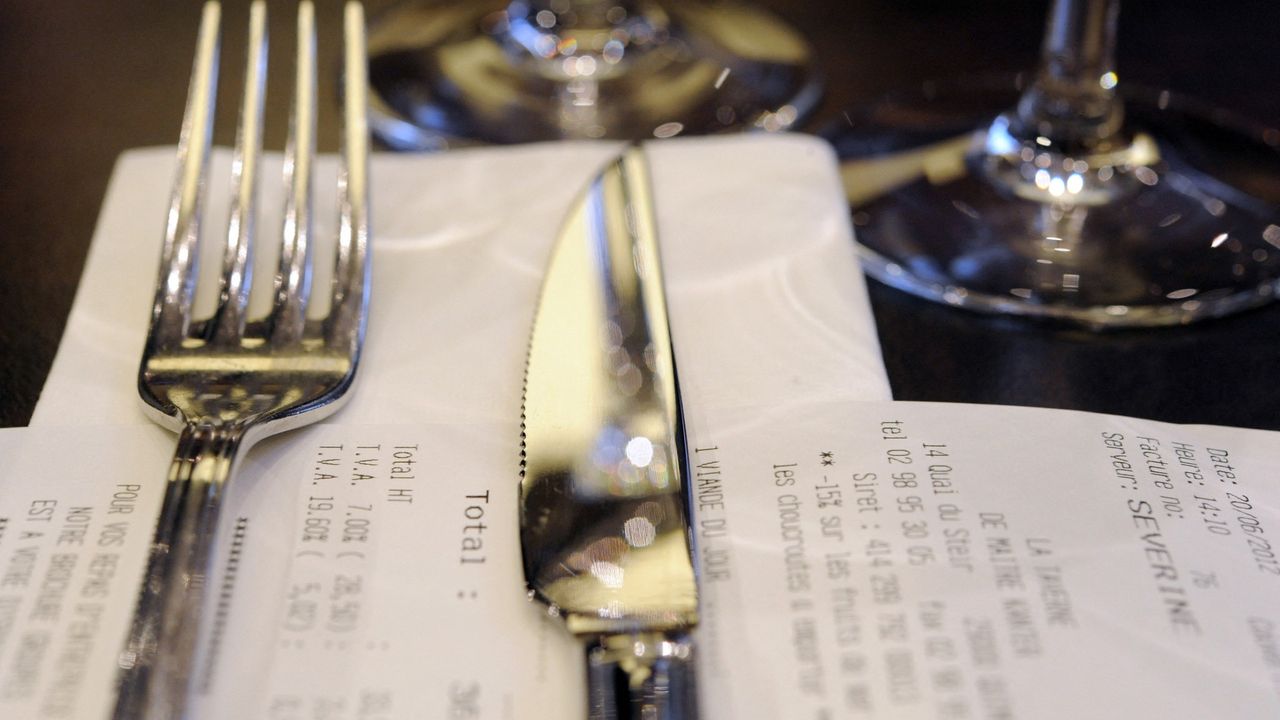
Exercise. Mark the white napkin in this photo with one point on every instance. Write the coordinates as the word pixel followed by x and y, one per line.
pixel 768 310
pixel 766 300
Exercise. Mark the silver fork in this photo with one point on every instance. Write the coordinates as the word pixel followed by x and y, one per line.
pixel 224 383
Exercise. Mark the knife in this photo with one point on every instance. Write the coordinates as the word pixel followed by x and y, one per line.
pixel 603 505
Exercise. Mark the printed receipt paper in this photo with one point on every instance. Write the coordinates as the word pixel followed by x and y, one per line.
pixel 871 559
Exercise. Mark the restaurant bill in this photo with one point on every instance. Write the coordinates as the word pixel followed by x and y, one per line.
pixel 857 559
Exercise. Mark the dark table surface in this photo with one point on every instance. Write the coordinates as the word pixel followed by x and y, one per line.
pixel 84 81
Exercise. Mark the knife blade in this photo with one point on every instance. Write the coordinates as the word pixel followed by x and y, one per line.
pixel 604 510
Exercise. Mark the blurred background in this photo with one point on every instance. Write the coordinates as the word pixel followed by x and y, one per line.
pixel 80 82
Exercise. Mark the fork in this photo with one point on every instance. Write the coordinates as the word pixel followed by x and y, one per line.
pixel 225 382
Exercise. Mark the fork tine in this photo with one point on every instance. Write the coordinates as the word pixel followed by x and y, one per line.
pixel 293 279
pixel 227 324
pixel 171 313
pixel 345 324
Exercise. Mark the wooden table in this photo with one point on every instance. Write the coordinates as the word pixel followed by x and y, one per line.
pixel 84 81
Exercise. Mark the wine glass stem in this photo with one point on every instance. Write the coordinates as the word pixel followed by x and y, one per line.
pixel 1073 102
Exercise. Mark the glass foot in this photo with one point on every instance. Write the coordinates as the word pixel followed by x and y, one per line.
pixel 529 71
pixel 1186 227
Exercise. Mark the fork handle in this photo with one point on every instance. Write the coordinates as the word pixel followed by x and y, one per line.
pixel 159 655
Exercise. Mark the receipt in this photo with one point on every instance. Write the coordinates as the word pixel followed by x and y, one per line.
pixel 857 559
pixel 74 530
pixel 368 572
pixel 914 560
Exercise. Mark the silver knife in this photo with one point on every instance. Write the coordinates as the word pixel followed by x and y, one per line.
pixel 603 507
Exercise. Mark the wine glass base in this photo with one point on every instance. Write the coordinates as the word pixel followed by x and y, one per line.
pixel 1198 236
pixel 444 74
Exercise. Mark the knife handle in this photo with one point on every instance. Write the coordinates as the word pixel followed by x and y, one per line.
pixel 641 676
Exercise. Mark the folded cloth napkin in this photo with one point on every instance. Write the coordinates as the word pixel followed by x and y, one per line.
pixel 767 306
pixel 766 300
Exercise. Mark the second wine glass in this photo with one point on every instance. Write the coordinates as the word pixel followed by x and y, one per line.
pixel 1077 203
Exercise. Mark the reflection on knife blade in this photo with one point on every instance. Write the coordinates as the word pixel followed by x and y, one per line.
pixel 603 510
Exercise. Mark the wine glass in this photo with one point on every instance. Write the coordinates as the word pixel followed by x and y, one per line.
pixel 1078 202
pixel 533 70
